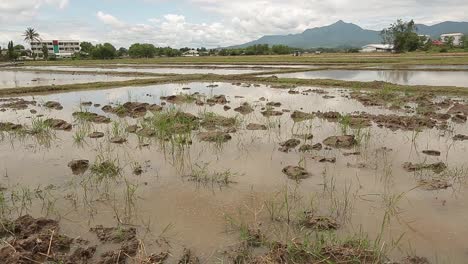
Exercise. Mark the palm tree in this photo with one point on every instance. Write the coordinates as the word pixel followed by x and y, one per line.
pixel 30 35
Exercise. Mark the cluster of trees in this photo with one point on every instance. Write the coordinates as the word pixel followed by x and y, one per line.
pixel 402 35
pixel 138 50
pixel 260 49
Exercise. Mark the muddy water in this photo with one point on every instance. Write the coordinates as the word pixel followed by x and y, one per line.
pixel 410 67
pixel 13 79
pixel 193 215
pixel 161 70
pixel 441 78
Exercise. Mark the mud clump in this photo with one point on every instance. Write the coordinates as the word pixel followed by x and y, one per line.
pixel 304 136
pixel 274 104
pixel 460 137
pixel 132 128
pixel 434 184
pixel 132 109
pixel 88 103
pixel 435 167
pixel 431 152
pixel 459 109
pixel 289 144
pixel 78 166
pixel 296 172
pixel 96 135
pixel 319 222
pixel 269 113
pixel 217 99
pixel 188 258
pixel 346 141
pixel 58 124
pixel 214 136
pixel 299 116
pixel 146 132
pixel 459 119
pixel 16 103
pixel 114 234
pixel 308 147
pixel 38 241
pixel 324 159
pixel 226 108
pixel 254 126
pixel 8 127
pixel 415 260
pixel 244 109
pixel 212 122
pixel 91 117
pixel 118 140
pixel 53 105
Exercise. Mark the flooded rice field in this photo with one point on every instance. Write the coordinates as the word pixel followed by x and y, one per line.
pixel 410 67
pixel 240 66
pixel 14 79
pixel 237 173
pixel 404 77
pixel 160 70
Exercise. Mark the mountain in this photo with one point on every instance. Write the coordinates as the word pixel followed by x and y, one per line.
pixel 342 34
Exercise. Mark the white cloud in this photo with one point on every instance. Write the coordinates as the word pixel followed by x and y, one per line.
pixel 20 10
pixel 109 19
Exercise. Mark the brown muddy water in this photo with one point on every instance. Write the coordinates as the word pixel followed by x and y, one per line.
pixel 14 79
pixel 404 77
pixel 366 190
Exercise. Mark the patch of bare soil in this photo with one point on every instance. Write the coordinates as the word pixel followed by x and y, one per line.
pixel 459 109
pixel 346 141
pixel 296 172
pixel 217 121
pixel 188 258
pixel 244 109
pixel 274 104
pixel 308 147
pixel 53 105
pixel 214 136
pixel 437 167
pixel 118 140
pixel 16 103
pixel 254 126
pixel 58 124
pixel 434 184
pixel 78 166
pixel 132 128
pixel 324 159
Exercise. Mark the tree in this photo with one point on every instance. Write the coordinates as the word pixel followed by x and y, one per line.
pixel 45 52
pixel 31 35
pixel 86 47
pixel 12 54
pixel 19 47
pixel 138 50
pixel 464 42
pixel 402 35
pixel 449 41
pixel 122 52
pixel 104 51
pixel 281 49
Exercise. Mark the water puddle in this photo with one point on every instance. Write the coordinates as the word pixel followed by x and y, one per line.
pixel 192 183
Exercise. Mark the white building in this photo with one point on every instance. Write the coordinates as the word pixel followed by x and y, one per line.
pixel 61 48
pixel 191 53
pixel 457 38
pixel 377 48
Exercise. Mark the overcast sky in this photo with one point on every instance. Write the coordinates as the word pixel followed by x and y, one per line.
pixel 208 23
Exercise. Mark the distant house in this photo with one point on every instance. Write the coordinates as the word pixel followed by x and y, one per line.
pixel 377 48
pixel 191 53
pixel 457 38
pixel 297 53
pixel 437 43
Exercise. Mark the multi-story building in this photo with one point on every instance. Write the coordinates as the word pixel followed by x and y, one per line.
pixel 456 38
pixel 61 48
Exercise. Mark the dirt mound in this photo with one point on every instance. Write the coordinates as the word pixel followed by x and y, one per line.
pixel 254 126
pixel 431 152
pixel 16 103
pixel 319 222
pixel 53 105
pixel 269 113
pixel 132 109
pixel 289 144
pixel 458 109
pixel 244 109
pixel 8 126
pixel 114 234
pixel 58 124
pixel 217 99
pixel 91 117
pixel 324 159
pixel 118 140
pixel 299 116
pixel 214 136
pixel 434 184
pixel 296 172
pixel 346 141
pixel 437 167
pixel 274 104
pixel 460 137
pixel 78 166
pixel 96 134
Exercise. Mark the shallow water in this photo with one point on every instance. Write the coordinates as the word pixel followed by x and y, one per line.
pixel 435 78
pixel 14 79
pixel 434 222
pixel 410 67
pixel 162 70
